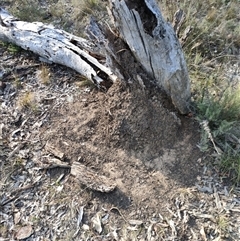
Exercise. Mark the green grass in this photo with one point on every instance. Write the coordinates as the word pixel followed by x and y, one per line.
pixel 211 48
pixel 220 118
pixel 12 48
pixel 230 166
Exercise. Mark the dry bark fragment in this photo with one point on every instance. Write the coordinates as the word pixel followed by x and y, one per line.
pixel 91 179
pixel 55 151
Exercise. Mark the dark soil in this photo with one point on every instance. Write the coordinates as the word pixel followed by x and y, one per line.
pixel 126 134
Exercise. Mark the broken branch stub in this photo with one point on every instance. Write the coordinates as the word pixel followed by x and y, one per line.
pixel 55 46
pixel 155 45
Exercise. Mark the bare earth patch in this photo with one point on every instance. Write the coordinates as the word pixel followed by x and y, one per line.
pixel 134 140
pixel 130 135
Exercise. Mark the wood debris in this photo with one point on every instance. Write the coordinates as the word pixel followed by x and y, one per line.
pixel 53 150
pixel 54 45
pixel 91 179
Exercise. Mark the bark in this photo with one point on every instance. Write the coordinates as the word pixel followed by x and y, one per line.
pixel 57 153
pixel 91 179
pixel 155 45
pixel 150 38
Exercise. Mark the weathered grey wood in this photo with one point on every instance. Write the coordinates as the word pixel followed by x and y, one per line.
pixel 54 45
pixel 154 44
pixel 91 179
pixel 159 51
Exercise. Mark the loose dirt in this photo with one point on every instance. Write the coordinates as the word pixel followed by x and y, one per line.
pixel 129 136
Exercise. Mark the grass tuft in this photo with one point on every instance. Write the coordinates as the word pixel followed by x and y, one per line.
pixel 230 166
pixel 222 114
pixel 222 223
pixel 28 101
pixel 43 75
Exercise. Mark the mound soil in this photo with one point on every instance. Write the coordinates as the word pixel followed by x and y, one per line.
pixel 128 135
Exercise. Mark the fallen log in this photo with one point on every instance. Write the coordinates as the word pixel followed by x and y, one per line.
pixel 56 46
pixel 150 38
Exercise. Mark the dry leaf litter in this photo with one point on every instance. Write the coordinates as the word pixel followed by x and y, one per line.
pixel 35 202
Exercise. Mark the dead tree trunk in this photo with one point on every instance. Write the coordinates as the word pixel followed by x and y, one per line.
pixel 154 44
pixel 150 38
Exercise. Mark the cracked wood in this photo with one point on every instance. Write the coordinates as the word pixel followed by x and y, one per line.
pixel 56 46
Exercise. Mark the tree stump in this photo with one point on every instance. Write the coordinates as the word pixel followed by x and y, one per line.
pixel 150 38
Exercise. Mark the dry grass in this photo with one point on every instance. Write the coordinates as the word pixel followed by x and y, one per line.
pixel 44 75
pixel 211 52
pixel 27 10
pixel 28 101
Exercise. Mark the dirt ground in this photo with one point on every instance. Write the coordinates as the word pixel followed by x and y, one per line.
pixel 130 134
pixel 130 137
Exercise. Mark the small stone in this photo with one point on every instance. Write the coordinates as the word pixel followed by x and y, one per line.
pixel 85 227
